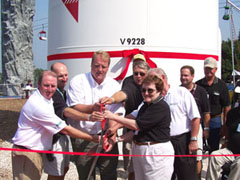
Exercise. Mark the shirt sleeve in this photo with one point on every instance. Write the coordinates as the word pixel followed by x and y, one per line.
pixel 75 93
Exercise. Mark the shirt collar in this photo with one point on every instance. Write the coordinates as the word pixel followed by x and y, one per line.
pixel 159 98
pixel 94 83
pixel 215 81
pixel 50 101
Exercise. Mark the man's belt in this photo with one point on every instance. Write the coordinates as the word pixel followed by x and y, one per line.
pixel 145 143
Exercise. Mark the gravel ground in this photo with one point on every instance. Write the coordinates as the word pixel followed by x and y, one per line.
pixel 6 167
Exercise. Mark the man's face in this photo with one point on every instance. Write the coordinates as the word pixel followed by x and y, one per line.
pixel 62 76
pixel 99 68
pixel 186 77
pixel 209 72
pixel 48 86
pixel 139 75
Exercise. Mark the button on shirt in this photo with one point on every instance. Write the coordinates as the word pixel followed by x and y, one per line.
pixel 183 109
pixel 37 123
pixel 83 89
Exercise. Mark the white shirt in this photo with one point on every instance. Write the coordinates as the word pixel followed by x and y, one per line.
pixel 183 109
pixel 37 123
pixel 83 89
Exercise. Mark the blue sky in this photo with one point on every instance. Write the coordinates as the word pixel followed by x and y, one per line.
pixel 41 15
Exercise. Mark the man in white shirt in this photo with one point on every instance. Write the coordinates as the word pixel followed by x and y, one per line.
pixel 84 93
pixel 36 126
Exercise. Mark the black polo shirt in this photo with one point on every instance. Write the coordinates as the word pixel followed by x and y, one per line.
pixel 133 92
pixel 201 98
pixel 153 121
pixel 218 95
pixel 59 103
pixel 233 121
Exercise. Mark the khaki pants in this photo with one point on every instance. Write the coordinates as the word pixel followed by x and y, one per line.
pixel 26 165
pixel 216 162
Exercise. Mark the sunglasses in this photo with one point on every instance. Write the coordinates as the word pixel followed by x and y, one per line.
pixel 141 73
pixel 150 91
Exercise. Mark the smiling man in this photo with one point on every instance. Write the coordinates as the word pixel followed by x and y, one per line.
pixel 37 124
pixel 84 93
pixel 219 101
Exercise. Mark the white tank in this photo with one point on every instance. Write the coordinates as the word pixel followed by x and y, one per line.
pixel 171 33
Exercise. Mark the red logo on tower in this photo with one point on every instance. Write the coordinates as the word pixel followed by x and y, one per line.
pixel 72 6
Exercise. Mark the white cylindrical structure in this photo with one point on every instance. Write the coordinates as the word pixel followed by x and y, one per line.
pixel 171 33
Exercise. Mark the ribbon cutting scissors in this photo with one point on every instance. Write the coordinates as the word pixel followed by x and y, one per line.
pixel 99 146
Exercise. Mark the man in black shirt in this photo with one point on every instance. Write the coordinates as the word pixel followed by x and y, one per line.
pixel 200 96
pixel 219 101
pixel 233 147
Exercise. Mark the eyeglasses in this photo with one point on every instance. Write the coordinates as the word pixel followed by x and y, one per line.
pixel 150 91
pixel 141 73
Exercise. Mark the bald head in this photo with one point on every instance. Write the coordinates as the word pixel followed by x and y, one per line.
pixel 62 74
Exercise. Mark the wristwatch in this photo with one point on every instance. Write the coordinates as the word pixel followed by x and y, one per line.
pixel 206 128
pixel 193 138
pixel 89 117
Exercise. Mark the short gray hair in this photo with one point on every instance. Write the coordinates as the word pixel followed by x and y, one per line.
pixel 158 71
pixel 141 65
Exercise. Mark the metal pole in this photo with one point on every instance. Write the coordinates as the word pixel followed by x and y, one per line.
pixel 232 43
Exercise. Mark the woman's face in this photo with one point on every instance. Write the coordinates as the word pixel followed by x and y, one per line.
pixel 149 92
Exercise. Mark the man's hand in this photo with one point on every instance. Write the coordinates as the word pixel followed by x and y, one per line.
pixel 96 116
pixel 206 134
pixel 106 100
pixel 193 147
pixel 109 143
pixel 96 138
pixel 96 107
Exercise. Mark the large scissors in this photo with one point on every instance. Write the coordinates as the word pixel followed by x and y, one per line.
pixel 99 146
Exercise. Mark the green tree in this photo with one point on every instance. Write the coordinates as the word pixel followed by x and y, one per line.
pixel 37 73
pixel 227 67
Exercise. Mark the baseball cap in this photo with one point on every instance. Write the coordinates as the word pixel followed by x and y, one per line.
pixel 210 62
pixel 139 57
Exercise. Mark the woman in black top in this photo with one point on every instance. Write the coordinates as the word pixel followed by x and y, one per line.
pixel 152 133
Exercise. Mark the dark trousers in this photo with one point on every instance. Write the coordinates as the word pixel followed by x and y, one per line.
pixel 107 165
pixel 214 139
pixel 184 167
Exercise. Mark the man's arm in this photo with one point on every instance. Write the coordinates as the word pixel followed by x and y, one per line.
pixel 116 98
pixel 87 108
pixel 224 127
pixel 193 146
pixel 206 120
pixel 225 111
pixel 74 133
pixel 79 116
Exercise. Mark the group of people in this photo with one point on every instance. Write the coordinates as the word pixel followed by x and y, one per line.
pixel 159 121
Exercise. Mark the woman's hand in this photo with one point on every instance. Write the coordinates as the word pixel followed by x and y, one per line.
pixel 109 115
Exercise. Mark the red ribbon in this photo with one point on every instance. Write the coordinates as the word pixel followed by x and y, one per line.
pixel 103 125
pixel 129 55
